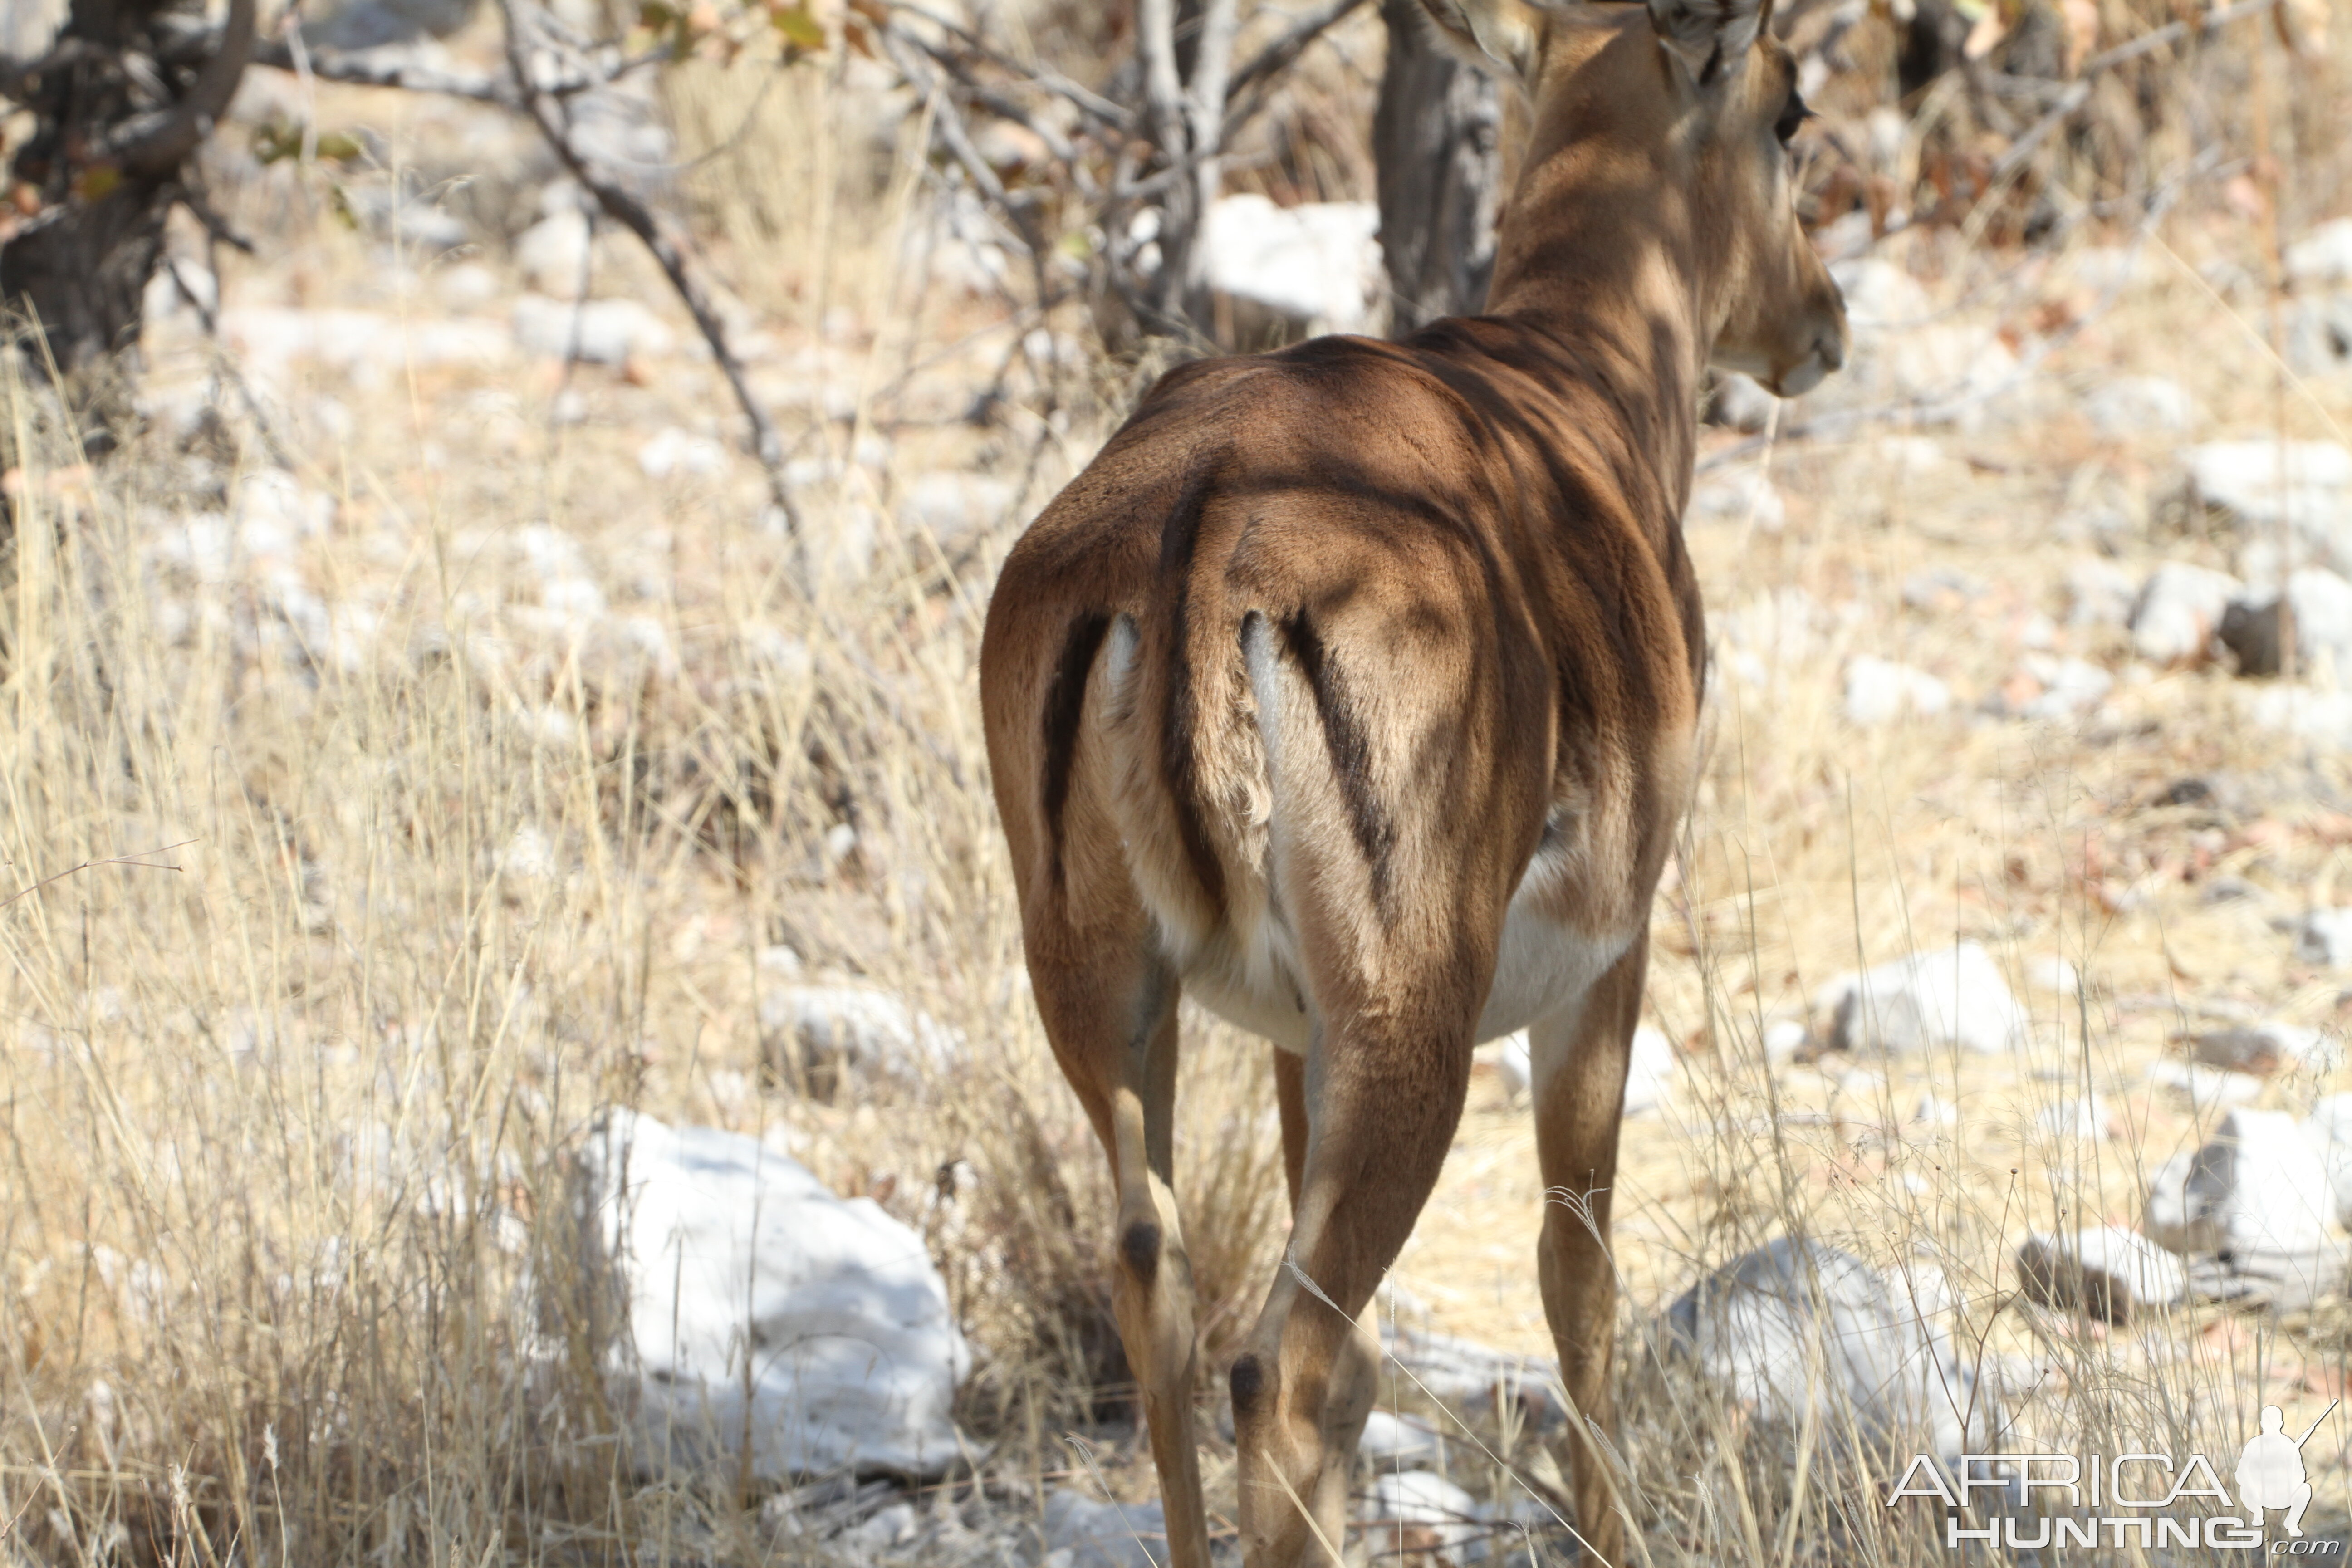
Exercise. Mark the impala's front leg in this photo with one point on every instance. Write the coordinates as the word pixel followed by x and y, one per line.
pixel 1579 1055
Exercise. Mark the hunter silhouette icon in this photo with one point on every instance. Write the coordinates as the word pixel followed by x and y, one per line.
pixel 2270 1469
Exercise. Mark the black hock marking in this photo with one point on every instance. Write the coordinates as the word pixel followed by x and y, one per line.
pixel 1350 749
pixel 1065 705
pixel 1180 719
pixel 1140 1244
pixel 1248 1382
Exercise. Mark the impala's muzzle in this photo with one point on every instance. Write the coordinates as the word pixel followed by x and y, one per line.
pixel 1824 346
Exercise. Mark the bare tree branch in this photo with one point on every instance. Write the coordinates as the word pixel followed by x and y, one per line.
pixel 1280 55
pixel 1045 78
pixel 362 70
pixel 2079 93
pixel 633 214
pixel 156 150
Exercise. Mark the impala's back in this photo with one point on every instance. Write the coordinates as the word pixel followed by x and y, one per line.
pixel 1353 690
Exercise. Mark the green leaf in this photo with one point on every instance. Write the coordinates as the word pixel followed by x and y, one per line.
pixel 798 26
pixel 274 143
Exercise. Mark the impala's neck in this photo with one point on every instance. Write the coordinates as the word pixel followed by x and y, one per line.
pixel 1597 251
pixel 1615 284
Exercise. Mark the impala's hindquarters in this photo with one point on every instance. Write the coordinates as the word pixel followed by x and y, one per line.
pixel 1399 813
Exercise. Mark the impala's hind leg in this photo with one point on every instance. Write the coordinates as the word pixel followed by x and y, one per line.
pixel 1386 1097
pixel 1113 1026
pixel 1579 1055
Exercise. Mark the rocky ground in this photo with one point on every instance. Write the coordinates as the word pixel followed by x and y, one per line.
pixel 2005 960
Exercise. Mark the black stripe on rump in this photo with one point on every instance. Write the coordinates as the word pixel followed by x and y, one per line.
pixel 1066 704
pixel 1350 749
pixel 1178 538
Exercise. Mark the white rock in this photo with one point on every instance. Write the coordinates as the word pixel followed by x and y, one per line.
pixel 2099 593
pixel 1649 1069
pixel 1393 1439
pixel 1446 1516
pixel 953 506
pixel 1945 368
pixel 1513 1062
pixel 724 1249
pixel 2303 486
pixel 838 1028
pixel 2323 256
pixel 2329 1128
pixel 1939 585
pixel 2261 1182
pixel 2318 718
pixel 1799 1331
pixel 1935 1111
pixel 2267 1048
pixel 1316 266
pixel 2179 610
pixel 1104 1534
pixel 1743 497
pixel 2324 938
pixel 2053 974
pixel 1879 690
pixel 1912 456
pixel 2070 689
pixel 1954 995
pixel 2319 602
pixel 599 331
pixel 367 345
pixel 2246 475
pixel 1740 403
pixel 273 509
pixel 529 856
pixel 1464 1374
pixel 1879 295
pixel 2108 1271
pixel 2141 406
pixel 465 285
pixel 675 451
pixel 554 254
pixel 2086 1118
pixel 1783 1038
pixel 28 27
pixel 2208 1089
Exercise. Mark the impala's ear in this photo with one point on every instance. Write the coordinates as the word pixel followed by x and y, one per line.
pixel 1710 38
pixel 1506 32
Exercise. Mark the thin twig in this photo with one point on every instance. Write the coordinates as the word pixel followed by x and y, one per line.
pixel 633 214
pixel 2077 95
pixel 1278 56
pixel 132 859
pixel 363 68
pixel 1084 99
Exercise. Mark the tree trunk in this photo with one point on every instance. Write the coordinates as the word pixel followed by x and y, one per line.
pixel 130 92
pixel 1437 144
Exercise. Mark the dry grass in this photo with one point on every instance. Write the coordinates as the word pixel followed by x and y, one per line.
pixel 488 795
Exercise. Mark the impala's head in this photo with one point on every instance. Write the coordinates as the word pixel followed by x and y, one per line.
pixel 1668 122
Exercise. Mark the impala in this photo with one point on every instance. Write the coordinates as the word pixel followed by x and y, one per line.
pixel 1353 689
